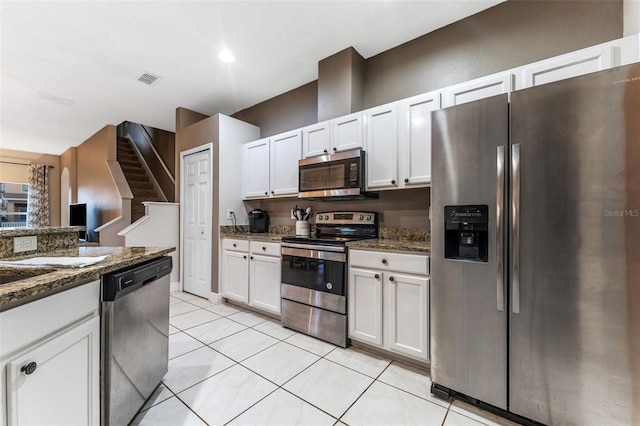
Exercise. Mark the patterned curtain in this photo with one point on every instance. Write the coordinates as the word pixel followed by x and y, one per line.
pixel 38 198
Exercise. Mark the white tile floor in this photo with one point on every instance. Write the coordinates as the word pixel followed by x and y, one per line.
pixel 231 366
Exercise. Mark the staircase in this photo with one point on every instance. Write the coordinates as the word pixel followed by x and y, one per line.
pixel 137 177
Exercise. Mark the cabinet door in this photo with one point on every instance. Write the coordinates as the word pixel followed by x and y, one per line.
pixel 255 166
pixel 570 65
pixel 316 139
pixel 407 319
pixel 64 388
pixel 365 306
pixel 264 283
pixel 415 139
pixel 348 132
pixel 485 87
pixel 286 150
pixel 235 276
pixel 382 147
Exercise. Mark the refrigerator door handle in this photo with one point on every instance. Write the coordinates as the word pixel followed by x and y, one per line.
pixel 515 228
pixel 500 226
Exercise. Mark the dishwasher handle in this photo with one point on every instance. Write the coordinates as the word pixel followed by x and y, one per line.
pixel 120 283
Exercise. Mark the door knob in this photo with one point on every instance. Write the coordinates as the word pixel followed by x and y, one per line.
pixel 29 368
pixel 406 180
pixel 384 261
pixel 391 279
pixel 377 276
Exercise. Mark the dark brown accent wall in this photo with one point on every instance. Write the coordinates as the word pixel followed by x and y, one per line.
pixel 340 84
pixel 290 110
pixel 185 117
pixel 165 143
pixel 95 184
pixel 510 34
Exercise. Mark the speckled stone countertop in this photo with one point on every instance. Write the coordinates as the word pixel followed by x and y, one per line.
pixel 385 244
pixel 242 232
pixel 391 239
pixel 55 279
pixel 397 239
pixel 19 232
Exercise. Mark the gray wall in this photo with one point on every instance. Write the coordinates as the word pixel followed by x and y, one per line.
pixel 290 110
pixel 510 34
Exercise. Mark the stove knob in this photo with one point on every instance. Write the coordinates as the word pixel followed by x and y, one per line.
pixel 361 217
pixel 319 217
pixel 368 217
pixel 326 217
pixel 329 286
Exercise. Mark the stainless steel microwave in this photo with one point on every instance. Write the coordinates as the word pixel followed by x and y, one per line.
pixel 333 176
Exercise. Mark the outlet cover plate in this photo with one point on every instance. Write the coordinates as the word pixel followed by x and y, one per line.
pixel 21 244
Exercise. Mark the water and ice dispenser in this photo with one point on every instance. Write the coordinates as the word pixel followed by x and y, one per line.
pixel 466 230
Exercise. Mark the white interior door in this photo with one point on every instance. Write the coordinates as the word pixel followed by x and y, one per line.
pixel 196 198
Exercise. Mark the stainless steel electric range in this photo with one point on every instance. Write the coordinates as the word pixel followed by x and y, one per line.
pixel 314 274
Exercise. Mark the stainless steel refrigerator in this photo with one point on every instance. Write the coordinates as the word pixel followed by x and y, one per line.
pixel 535 251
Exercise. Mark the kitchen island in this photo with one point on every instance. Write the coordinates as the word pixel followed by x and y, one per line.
pixel 49 280
pixel 50 333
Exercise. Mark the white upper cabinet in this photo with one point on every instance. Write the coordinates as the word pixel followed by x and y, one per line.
pixel 480 88
pixel 270 166
pixel 256 168
pixel 328 137
pixel 382 147
pixel 316 139
pixel 415 139
pixel 286 150
pixel 570 65
pixel 347 132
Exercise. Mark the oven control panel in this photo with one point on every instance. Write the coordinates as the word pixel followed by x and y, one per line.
pixel 346 218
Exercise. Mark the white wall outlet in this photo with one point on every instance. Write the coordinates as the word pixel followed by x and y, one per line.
pixel 229 214
pixel 21 244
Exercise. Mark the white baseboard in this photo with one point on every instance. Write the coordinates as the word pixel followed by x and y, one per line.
pixel 177 286
pixel 215 298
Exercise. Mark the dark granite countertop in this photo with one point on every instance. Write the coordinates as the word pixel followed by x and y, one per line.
pixel 394 241
pixel 19 232
pixel 54 279
pixel 387 244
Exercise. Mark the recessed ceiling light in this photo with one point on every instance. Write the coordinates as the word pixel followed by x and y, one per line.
pixel 226 56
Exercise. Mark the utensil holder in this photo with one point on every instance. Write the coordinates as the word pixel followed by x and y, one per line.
pixel 302 228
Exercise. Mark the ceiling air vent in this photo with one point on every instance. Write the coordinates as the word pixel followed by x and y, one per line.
pixel 148 78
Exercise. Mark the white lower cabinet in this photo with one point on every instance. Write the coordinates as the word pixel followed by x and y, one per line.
pixel 389 307
pixel 55 378
pixel 251 273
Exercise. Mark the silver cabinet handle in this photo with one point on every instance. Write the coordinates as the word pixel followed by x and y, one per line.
pixel 515 228
pixel 500 227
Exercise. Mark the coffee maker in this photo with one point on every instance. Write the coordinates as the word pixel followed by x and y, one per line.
pixel 258 221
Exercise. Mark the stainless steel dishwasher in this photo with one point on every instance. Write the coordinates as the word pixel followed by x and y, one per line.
pixel 134 338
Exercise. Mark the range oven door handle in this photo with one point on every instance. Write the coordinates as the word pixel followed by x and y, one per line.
pixel 315 254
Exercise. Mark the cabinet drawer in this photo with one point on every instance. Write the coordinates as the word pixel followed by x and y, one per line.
pixel 268 249
pixel 398 262
pixel 25 324
pixel 235 245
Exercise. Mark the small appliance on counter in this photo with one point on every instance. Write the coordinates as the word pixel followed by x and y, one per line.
pixel 258 221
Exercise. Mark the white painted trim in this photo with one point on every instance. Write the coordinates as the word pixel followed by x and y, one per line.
pixel 175 287
pixel 215 298
pixel 201 148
